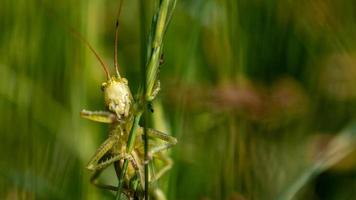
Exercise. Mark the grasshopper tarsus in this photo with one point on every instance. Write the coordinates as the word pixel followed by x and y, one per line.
pixel 150 107
pixel 161 59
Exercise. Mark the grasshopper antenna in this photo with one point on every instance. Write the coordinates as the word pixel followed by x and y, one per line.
pixel 78 35
pixel 81 38
pixel 116 40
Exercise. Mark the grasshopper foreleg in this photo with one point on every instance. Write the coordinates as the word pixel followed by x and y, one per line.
pixel 99 116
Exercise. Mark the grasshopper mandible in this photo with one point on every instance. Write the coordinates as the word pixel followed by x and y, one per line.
pixel 121 109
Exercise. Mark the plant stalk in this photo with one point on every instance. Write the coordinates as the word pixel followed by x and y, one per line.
pixel 150 70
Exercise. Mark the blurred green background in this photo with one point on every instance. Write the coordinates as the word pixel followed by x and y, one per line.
pixel 261 95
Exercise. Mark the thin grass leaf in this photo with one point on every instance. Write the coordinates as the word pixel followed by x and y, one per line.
pixel 337 149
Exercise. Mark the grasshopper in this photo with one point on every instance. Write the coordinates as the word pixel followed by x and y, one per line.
pixel 121 108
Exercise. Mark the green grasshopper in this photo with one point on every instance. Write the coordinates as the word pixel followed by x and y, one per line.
pixel 121 109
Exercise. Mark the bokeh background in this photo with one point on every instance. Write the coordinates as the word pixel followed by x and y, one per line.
pixel 261 95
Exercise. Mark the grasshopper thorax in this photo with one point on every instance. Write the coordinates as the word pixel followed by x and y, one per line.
pixel 118 98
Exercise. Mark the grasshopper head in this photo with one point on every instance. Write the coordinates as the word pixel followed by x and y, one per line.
pixel 118 98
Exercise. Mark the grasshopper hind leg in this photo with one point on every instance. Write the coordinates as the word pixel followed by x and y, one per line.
pixel 104 157
pixel 127 191
pixel 94 181
pixel 168 163
pixel 103 164
pixel 96 162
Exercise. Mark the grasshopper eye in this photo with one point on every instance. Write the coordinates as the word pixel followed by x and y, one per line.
pixel 124 80
pixel 103 86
